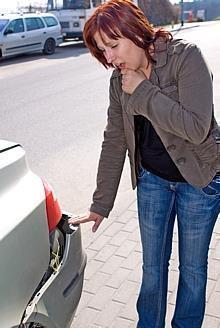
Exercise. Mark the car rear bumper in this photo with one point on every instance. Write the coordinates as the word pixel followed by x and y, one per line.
pixel 56 302
pixel 73 35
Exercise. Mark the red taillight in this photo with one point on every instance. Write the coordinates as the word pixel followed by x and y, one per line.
pixel 54 213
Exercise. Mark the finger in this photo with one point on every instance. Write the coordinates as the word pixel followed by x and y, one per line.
pixel 79 220
pixel 97 224
pixel 124 79
pixel 123 71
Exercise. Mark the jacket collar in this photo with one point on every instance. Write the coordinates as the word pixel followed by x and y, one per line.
pixel 161 52
pixel 163 49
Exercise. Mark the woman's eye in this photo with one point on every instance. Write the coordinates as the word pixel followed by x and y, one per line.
pixel 114 46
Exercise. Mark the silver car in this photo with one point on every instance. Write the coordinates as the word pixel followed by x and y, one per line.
pixel 24 33
pixel 41 257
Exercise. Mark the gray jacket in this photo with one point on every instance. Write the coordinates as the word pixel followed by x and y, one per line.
pixel 178 100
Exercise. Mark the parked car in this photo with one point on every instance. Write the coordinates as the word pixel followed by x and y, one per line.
pixel 41 257
pixel 24 33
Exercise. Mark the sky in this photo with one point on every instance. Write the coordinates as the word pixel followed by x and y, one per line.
pixel 13 4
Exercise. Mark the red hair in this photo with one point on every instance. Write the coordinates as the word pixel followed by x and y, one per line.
pixel 120 18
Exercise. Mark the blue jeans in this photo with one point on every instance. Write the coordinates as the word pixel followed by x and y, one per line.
pixel 159 203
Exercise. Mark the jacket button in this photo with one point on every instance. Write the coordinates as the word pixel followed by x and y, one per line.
pixel 171 147
pixel 181 161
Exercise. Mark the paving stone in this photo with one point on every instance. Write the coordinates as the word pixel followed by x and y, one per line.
pixel 84 300
pixel 125 291
pixel 131 225
pixel 216 252
pixel 90 254
pixel 211 322
pixel 173 280
pixel 213 305
pixel 174 254
pixel 88 316
pixel 119 238
pixel 105 253
pixel 118 277
pixel 210 288
pixel 108 314
pixel 93 285
pixel 90 237
pixel 174 264
pixel 175 237
pixel 217 226
pixel 133 261
pixel 91 268
pixel 114 269
pixel 126 217
pixel 217 286
pixel 124 200
pixel 113 263
pixel 85 229
pixel 169 314
pixel 88 240
pixel 135 235
pixel 126 248
pixel 136 274
pixel 214 241
pixel 172 297
pixel 103 296
pixel 214 269
pixel 99 243
pixel 133 207
pixel 123 323
pixel 113 229
pixel 138 248
pixel 129 312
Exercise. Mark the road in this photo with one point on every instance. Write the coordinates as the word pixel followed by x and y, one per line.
pixel 56 108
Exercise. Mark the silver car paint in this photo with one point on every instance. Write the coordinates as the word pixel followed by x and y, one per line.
pixel 27 41
pixel 25 251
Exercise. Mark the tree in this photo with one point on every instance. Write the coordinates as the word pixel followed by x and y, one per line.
pixel 158 12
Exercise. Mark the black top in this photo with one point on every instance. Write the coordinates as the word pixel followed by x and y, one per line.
pixel 154 157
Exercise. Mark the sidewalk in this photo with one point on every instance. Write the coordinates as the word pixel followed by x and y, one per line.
pixel 113 272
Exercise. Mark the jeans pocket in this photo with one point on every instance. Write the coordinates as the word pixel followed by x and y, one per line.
pixel 141 172
pixel 213 188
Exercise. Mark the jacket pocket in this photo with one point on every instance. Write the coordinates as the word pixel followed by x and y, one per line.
pixel 207 152
pixel 140 172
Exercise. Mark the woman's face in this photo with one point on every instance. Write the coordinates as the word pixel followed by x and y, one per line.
pixel 122 53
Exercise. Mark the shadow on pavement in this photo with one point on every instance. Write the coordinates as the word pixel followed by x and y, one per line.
pixel 65 50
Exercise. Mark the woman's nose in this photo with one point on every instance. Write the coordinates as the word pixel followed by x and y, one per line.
pixel 109 56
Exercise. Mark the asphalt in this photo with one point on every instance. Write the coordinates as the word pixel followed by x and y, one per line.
pixel 113 272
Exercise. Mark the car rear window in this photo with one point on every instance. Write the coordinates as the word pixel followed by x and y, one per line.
pixel 50 21
pixel 3 23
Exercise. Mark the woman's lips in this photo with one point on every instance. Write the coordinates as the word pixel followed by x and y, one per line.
pixel 121 66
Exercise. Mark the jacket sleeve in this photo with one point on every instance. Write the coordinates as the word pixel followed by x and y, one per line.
pixel 112 157
pixel 190 117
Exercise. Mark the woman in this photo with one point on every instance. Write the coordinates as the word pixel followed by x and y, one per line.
pixel 161 112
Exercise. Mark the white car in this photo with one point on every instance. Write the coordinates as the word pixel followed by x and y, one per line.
pixel 24 33
pixel 41 257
